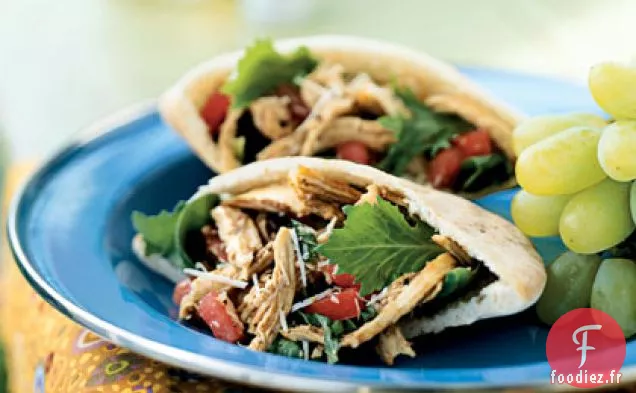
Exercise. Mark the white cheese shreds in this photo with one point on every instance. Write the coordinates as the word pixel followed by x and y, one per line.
pixel 200 266
pixel 305 251
pixel 301 261
pixel 215 277
pixel 255 282
pixel 334 299
pixel 378 296
pixel 306 349
pixel 323 263
pixel 283 320
pixel 324 236
pixel 216 324
pixel 302 304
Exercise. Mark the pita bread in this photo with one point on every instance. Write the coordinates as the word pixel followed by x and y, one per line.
pixel 433 81
pixel 497 243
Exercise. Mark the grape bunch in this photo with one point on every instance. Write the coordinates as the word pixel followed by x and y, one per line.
pixel 577 175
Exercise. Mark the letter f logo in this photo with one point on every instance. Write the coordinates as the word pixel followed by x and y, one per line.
pixel 584 347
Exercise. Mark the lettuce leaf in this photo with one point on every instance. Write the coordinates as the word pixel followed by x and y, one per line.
pixel 377 244
pixel 262 69
pixel 424 132
pixel 165 233
pixel 158 230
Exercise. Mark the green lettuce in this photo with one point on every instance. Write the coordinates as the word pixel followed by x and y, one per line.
pixel 262 69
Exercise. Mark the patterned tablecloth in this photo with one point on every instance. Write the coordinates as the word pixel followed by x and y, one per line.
pixel 46 352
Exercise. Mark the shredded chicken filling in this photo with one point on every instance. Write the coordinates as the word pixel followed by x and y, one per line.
pixel 273 269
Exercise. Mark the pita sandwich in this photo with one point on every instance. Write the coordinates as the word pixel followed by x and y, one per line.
pixel 317 255
pixel 368 101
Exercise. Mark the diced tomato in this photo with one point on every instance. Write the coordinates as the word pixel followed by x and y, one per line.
pixel 218 317
pixel 340 306
pixel 215 110
pixel 354 151
pixel 444 168
pixel 182 289
pixel 343 280
pixel 474 143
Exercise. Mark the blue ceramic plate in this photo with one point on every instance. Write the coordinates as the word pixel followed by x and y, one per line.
pixel 70 231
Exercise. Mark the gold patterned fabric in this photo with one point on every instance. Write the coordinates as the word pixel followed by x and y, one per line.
pixel 46 352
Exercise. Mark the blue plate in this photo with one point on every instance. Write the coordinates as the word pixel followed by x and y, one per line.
pixel 70 231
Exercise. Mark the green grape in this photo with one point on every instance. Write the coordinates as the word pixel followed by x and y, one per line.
pixel 561 164
pixel 616 150
pixel 597 218
pixel 538 215
pixel 538 128
pixel 569 285
pixel 614 292
pixel 613 86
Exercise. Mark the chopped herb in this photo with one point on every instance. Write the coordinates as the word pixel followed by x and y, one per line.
pixel 307 240
pixel 368 314
pixel 282 346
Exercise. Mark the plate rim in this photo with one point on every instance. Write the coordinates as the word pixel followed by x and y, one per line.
pixel 182 358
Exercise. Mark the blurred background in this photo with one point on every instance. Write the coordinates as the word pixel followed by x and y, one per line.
pixel 65 63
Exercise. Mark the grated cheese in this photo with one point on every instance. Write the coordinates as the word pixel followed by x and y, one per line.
pixel 255 282
pixel 301 261
pixel 283 320
pixel 323 263
pixel 378 296
pixel 306 349
pixel 302 304
pixel 216 278
pixel 334 299
pixel 324 236
pixel 216 324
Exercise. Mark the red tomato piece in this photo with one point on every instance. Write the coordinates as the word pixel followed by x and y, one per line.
pixel 354 151
pixel 215 110
pixel 343 280
pixel 474 143
pixel 218 316
pixel 444 168
pixel 340 306
pixel 182 289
